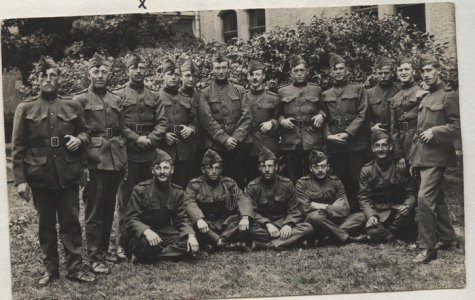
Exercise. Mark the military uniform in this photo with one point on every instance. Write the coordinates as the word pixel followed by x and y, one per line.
pixel 144 115
pixel 41 159
pixel 275 203
pixel 382 192
pixel 439 111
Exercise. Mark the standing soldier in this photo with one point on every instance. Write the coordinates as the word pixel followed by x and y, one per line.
pixel 301 115
pixel 264 110
pixel 278 220
pixel 380 95
pixel 216 206
pixel 347 110
pixel 146 124
pixel 226 120
pixel 106 160
pixel 404 109
pixel 49 140
pixel 438 125
pixel 179 140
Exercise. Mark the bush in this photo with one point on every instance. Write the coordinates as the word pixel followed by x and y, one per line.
pixel 358 38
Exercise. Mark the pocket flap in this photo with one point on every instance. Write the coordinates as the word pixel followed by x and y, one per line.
pixel 95 142
pixel 311 99
pixel 128 102
pixel 35 160
pixel 94 106
pixel 186 104
pixel 435 107
pixel 288 99
pixel 36 116
pixel 349 96
pixel 314 194
pixel 166 103
pixel 265 105
pixel 374 101
pixel 213 100
pixel 234 97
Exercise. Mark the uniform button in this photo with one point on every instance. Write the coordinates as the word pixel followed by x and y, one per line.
pixel 52 113
pixel 253 104
pixel 51 102
pixel 52 128
pixel 404 112
pixel 108 117
pixel 338 105
pixel 54 156
pixel 36 120
pixel 221 94
pixel 176 112
pixel 384 108
pixel 67 119
pixel 224 108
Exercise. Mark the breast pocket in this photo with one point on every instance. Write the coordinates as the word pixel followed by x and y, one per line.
pixel 332 109
pixel 434 115
pixel 315 195
pixel 37 121
pixel 94 150
pixel 236 105
pixel 350 103
pixel 311 104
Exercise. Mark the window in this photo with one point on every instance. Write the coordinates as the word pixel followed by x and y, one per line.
pixel 257 21
pixel 229 25
pixel 416 14
pixel 366 9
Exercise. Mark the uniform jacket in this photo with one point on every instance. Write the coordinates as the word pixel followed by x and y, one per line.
pixel 326 191
pixel 438 110
pixel 35 161
pixel 215 204
pixel 194 96
pixel 301 103
pixel 382 189
pixel 404 109
pixel 142 106
pixel 224 115
pixel 347 111
pixel 379 100
pixel 103 111
pixel 275 203
pixel 158 209
pixel 264 107
pixel 178 111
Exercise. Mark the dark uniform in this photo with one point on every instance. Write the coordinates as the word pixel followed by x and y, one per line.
pixel 178 111
pixel 220 206
pixel 439 111
pixel 159 207
pixel 346 106
pixel 300 101
pixel 334 221
pixel 41 159
pixel 223 114
pixel 382 192
pixel 144 115
pixel 107 161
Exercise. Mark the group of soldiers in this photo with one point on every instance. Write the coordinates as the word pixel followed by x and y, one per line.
pixel 270 171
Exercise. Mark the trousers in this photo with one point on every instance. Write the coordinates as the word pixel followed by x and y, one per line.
pixel 300 232
pixel 182 173
pixel 395 225
pixel 297 162
pixel 338 228
pixel 229 232
pixel 236 164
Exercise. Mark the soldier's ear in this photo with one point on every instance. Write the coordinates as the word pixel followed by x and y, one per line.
pixel 203 170
pixel 372 147
pixel 172 170
pixel 391 147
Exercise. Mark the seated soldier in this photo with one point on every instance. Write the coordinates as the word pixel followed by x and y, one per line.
pixel 387 198
pixel 153 206
pixel 324 203
pixel 217 208
pixel 277 220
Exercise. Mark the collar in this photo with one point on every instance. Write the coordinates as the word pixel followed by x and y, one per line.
pixel 258 92
pixel 437 87
pixel 138 88
pixel 187 91
pixel 269 183
pixel 408 85
pixel 49 96
pixel 299 84
pixel 340 84
pixel 100 92
pixel 161 186
pixel 221 82
pixel 384 164
pixel 212 184
pixel 171 91
pixel 385 87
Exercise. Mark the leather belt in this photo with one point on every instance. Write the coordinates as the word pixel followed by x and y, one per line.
pixel 109 132
pixel 301 123
pixel 140 127
pixel 405 126
pixel 338 122
pixel 53 142
pixel 228 120
pixel 175 128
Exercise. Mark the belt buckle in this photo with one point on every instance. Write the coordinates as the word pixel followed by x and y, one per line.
pixel 176 128
pixel 138 128
pixel 109 132
pixel 300 123
pixel 337 122
pixel 54 141
pixel 405 126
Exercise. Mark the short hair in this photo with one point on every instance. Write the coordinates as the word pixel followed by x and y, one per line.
pixel 56 68
pixel 170 161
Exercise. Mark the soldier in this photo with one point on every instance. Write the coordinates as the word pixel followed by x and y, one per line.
pixel 380 95
pixel 48 144
pixel 404 109
pixel 438 125
pixel 324 203
pixel 189 77
pixel 264 109
pixel 347 141
pixel 216 206
pixel 144 117
pixel 106 160
pixel 301 115
pixel 226 120
pixel 179 140
pixel 388 199
pixel 278 221
pixel 156 226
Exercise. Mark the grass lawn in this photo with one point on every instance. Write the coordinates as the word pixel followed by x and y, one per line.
pixel 327 270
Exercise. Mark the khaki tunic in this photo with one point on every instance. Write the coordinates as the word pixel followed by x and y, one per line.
pixel 379 100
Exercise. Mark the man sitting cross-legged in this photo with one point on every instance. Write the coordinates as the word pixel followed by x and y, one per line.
pixel 156 225
pixel 217 207
pixel 323 201
pixel 277 222
pixel 387 198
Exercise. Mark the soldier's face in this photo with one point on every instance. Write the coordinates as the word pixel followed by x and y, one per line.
pixel 267 169
pixel 320 169
pixel 49 80
pixel 221 70
pixel 172 78
pixel 405 73
pixel 299 73
pixel 212 171
pixel 384 75
pixel 163 171
pixel 430 75
pixel 99 76
pixel 188 79
pixel 339 72
pixel 137 73
pixel 256 78
pixel 381 148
